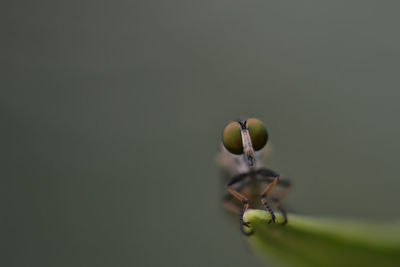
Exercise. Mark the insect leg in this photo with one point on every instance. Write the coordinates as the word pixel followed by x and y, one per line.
pixel 275 179
pixel 278 205
pixel 264 197
pixel 240 197
pixel 242 223
pixel 276 200
pixel 283 181
pixel 228 200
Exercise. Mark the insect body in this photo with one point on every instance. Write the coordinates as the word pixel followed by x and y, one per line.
pixel 241 156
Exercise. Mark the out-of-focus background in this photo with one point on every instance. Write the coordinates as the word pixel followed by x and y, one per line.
pixel 112 111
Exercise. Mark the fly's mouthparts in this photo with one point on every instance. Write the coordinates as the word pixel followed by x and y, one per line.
pixel 250 160
pixel 249 155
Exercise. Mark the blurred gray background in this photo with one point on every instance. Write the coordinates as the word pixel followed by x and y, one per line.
pixel 111 115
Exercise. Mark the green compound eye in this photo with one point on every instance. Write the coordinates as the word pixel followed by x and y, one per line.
pixel 258 133
pixel 232 138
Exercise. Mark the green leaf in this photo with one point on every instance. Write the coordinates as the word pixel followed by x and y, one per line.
pixel 309 241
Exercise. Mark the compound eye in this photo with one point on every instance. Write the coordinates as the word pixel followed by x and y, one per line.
pixel 232 138
pixel 258 133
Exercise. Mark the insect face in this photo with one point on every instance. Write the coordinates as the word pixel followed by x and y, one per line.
pixel 245 136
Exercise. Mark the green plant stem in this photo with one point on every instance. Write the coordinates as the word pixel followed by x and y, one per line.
pixel 308 241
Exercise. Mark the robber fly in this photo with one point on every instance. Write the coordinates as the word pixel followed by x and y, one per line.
pixel 250 183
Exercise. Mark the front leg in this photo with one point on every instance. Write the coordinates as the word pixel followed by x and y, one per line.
pixel 240 197
pixel 228 199
pixel 266 176
pixel 264 194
